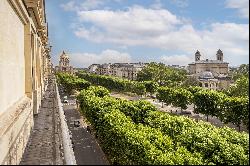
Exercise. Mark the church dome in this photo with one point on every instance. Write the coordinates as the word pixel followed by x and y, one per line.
pixel 207 74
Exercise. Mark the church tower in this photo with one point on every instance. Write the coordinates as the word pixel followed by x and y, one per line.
pixel 197 56
pixel 64 65
pixel 219 55
pixel 64 62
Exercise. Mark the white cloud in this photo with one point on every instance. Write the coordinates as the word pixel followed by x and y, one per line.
pixel 106 56
pixel 182 60
pixel 139 26
pixel 241 5
pixel 232 38
pixel 134 26
pixel 158 28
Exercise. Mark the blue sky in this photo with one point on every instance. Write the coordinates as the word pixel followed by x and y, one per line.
pixel 168 31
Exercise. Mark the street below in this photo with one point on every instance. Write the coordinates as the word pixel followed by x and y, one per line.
pixel 86 148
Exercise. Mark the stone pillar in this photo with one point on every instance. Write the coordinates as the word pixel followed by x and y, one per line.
pixel 28 60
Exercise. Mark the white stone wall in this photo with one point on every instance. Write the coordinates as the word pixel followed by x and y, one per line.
pixel 16 99
pixel 15 127
pixel 12 69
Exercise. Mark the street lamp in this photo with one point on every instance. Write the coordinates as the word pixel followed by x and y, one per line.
pixel 50 48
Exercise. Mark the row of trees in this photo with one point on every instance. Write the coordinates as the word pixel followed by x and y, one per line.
pixel 83 80
pixel 71 82
pixel 208 102
pixel 116 84
pixel 134 132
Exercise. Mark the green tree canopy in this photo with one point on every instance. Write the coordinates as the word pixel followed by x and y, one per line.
pixel 243 70
pixel 239 88
pixel 162 74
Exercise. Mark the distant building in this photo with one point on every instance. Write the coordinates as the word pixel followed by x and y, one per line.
pixel 130 71
pixel 212 74
pixel 178 67
pixel 81 69
pixel 122 70
pixel 93 68
pixel 64 64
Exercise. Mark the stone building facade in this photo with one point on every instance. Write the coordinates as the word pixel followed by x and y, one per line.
pixel 25 66
pixel 121 70
pixel 212 74
pixel 64 64
pixel 93 68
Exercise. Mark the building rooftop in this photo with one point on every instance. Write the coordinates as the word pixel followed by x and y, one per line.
pixel 208 61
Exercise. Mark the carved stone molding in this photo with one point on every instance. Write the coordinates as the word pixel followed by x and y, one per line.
pixel 20 10
pixel 9 116
pixel 36 10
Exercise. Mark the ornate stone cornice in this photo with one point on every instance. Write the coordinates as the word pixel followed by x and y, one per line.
pixel 20 10
pixel 35 9
pixel 37 14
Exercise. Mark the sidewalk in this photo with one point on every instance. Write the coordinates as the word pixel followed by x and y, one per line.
pixel 45 142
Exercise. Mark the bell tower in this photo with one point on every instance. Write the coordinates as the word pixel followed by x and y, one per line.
pixel 64 62
pixel 197 55
pixel 219 55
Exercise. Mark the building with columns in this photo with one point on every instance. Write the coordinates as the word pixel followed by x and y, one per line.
pixel 25 67
pixel 64 64
pixel 212 74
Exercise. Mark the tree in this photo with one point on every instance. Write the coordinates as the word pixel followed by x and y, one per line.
pixel 235 110
pixel 239 88
pixel 243 70
pixel 190 81
pixel 181 98
pixel 165 94
pixel 162 74
pixel 139 88
pixel 208 102
pixel 151 87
